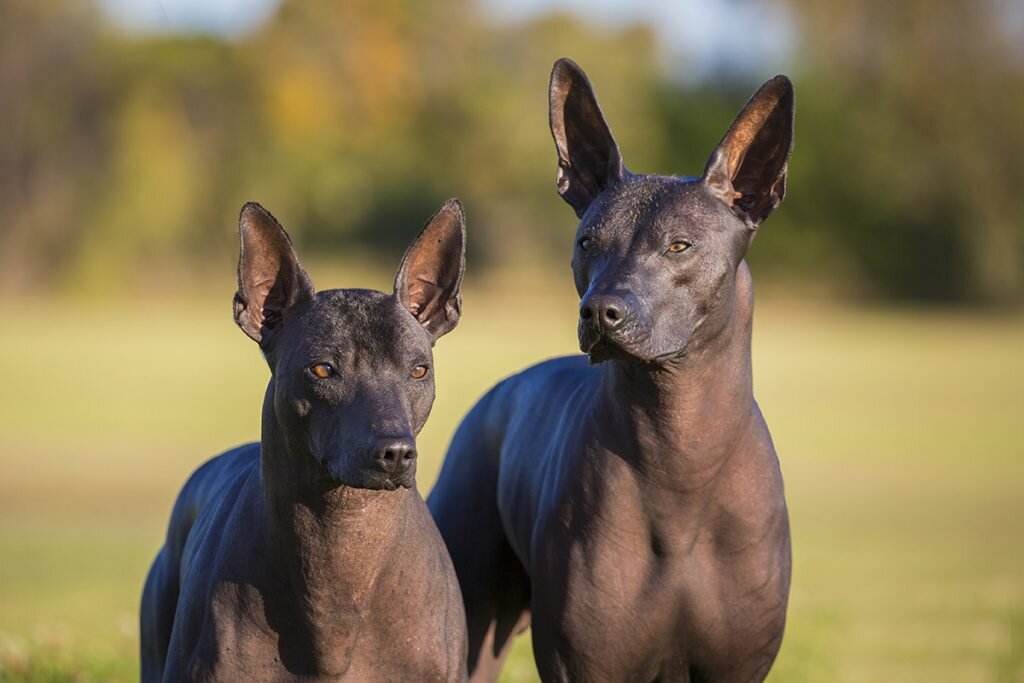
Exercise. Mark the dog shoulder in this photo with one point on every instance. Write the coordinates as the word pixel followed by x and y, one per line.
pixel 204 485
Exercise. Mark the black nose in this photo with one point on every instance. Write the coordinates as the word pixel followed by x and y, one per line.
pixel 607 310
pixel 395 456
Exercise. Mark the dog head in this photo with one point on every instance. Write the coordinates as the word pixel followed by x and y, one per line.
pixel 352 379
pixel 656 257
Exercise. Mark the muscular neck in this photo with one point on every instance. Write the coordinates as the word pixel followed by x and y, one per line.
pixel 327 544
pixel 677 423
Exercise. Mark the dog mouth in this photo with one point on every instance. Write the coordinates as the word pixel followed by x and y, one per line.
pixel 633 345
pixel 601 345
pixel 395 483
pixel 329 480
pixel 329 476
pixel 603 349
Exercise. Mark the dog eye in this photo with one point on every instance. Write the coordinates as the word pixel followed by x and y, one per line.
pixel 585 243
pixel 678 247
pixel 321 370
pixel 419 372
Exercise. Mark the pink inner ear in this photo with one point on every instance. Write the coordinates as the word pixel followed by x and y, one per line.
pixel 423 292
pixel 742 137
pixel 588 156
pixel 258 299
pixel 427 284
pixel 750 170
pixel 270 279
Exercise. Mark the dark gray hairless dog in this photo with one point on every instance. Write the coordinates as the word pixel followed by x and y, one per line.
pixel 311 555
pixel 631 508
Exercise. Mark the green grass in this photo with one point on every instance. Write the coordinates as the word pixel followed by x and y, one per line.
pixel 900 433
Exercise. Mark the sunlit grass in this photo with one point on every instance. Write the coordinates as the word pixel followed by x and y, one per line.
pixel 900 433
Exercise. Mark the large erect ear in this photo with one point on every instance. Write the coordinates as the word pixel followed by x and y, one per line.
pixel 429 278
pixel 588 157
pixel 270 280
pixel 747 170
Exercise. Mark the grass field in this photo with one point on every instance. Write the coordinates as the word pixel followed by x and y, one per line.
pixel 901 436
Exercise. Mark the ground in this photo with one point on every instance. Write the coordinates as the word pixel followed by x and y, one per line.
pixel 901 435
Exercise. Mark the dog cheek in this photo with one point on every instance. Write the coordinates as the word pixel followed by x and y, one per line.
pixel 301 407
pixel 579 276
pixel 683 279
pixel 421 406
pixel 715 304
pixel 675 331
pixel 292 412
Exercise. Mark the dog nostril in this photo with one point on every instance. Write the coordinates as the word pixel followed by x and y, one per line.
pixel 394 458
pixel 611 314
pixel 586 314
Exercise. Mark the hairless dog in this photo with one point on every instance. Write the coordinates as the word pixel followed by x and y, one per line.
pixel 631 508
pixel 310 555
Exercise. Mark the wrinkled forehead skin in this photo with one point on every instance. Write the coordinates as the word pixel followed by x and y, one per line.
pixel 641 214
pixel 360 329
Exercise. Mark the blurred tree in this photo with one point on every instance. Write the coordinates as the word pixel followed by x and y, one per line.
pixel 54 87
pixel 353 121
pixel 176 135
pixel 910 142
pixel 381 110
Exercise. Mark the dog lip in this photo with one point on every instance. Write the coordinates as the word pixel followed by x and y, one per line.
pixel 592 336
pixel 603 349
pixel 588 342
pixel 328 478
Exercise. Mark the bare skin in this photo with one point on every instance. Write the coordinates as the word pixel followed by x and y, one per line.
pixel 310 555
pixel 629 506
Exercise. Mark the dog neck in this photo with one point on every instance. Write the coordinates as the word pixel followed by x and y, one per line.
pixel 678 422
pixel 327 545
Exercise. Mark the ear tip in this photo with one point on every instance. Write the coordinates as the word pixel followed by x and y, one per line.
pixel 782 85
pixel 564 63
pixel 253 217
pixel 454 208
pixel 251 208
pixel 453 205
pixel 565 70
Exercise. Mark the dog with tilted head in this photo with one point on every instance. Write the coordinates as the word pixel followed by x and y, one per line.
pixel 628 503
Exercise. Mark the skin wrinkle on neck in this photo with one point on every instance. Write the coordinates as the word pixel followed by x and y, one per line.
pixel 310 527
pixel 675 403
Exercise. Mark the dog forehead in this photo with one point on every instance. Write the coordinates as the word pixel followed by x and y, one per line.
pixel 688 206
pixel 362 320
pixel 655 204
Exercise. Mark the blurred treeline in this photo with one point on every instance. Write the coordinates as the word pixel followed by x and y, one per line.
pixel 124 154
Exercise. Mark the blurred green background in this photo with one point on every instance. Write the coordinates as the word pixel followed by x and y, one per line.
pixel 889 334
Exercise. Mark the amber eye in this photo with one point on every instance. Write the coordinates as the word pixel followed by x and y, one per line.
pixel 678 247
pixel 585 243
pixel 419 372
pixel 322 370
